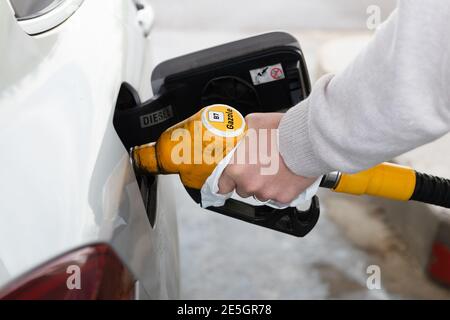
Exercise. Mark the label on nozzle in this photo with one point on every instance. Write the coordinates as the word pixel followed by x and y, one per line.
pixel 223 121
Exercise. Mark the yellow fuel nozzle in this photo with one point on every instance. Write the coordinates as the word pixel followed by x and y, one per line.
pixel 193 147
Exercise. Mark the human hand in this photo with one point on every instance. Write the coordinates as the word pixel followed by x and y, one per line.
pixel 263 175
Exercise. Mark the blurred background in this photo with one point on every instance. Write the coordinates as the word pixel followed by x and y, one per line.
pixel 225 259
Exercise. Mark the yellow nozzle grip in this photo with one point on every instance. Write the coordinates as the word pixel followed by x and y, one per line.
pixel 385 180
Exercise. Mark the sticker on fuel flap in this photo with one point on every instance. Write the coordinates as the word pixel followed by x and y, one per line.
pixel 267 74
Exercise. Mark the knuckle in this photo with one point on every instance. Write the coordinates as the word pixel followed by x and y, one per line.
pixel 251 187
pixel 285 198
pixel 226 185
pixel 234 171
pixel 266 195
pixel 252 119
pixel 242 193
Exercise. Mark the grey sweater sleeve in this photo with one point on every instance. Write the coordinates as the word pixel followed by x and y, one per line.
pixel 393 97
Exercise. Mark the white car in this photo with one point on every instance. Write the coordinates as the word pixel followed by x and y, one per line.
pixel 76 93
pixel 69 201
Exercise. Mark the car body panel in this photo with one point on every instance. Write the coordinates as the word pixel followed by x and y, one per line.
pixel 66 179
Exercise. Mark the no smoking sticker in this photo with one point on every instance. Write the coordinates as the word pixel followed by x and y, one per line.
pixel 267 74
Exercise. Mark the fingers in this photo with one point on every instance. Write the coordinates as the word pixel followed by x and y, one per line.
pixel 226 184
pixel 287 197
pixel 241 191
pixel 283 191
pixel 282 196
pixel 246 185
pixel 241 179
pixel 295 186
pixel 280 191
pixel 250 179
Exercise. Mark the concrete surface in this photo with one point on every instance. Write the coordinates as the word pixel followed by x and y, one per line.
pixel 226 259
pixel 367 224
pixel 223 258
pixel 419 223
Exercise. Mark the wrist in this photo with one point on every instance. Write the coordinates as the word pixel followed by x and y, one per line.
pixel 296 145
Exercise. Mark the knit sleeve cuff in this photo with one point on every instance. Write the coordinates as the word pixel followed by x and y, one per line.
pixel 296 146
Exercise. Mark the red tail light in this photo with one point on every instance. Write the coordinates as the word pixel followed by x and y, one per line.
pixel 91 273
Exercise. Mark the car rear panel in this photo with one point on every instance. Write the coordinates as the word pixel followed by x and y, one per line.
pixel 66 177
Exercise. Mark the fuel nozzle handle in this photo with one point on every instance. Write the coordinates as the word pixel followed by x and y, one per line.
pixel 392 181
pixel 217 129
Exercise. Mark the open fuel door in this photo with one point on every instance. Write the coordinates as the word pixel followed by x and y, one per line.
pixel 265 73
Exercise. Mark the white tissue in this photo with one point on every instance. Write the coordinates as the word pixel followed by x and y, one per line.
pixel 212 198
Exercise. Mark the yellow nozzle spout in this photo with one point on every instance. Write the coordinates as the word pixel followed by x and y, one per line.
pixel 386 180
pixel 145 159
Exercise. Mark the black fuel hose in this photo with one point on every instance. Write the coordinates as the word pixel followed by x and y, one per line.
pixel 432 190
